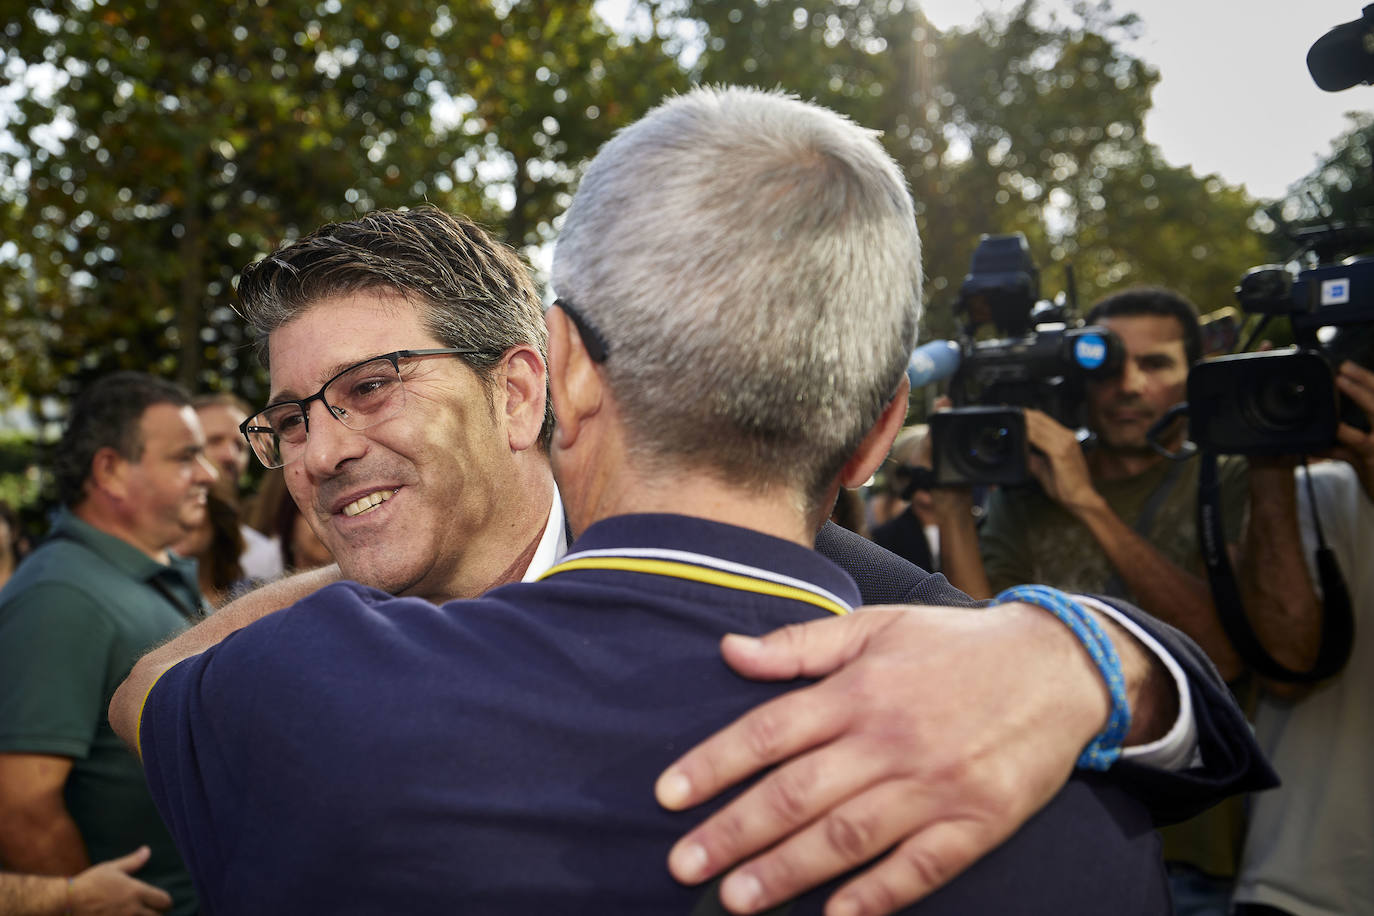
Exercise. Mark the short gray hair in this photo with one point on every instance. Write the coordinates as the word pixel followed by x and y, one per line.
pixel 753 263
pixel 472 291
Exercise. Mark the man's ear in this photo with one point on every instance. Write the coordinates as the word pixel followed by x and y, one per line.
pixel 525 379
pixel 878 442
pixel 109 471
pixel 574 380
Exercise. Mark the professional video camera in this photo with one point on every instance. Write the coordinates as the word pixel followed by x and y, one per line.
pixel 1040 359
pixel 1285 401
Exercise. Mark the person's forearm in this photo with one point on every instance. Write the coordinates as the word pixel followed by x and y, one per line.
pixel 240 613
pixel 961 562
pixel 1151 694
pixel 1160 587
pixel 33 895
pixel 42 841
pixel 1280 599
pixel 128 699
pixel 244 610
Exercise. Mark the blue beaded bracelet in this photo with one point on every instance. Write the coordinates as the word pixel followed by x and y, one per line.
pixel 1105 748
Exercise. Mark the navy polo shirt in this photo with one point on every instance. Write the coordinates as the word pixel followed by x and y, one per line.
pixel 358 753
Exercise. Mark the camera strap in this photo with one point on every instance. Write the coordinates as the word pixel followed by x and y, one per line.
pixel 1338 625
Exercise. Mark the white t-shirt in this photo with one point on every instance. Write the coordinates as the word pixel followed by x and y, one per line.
pixel 261 557
pixel 1310 845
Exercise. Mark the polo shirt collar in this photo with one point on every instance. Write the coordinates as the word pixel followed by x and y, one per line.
pixel 125 557
pixel 727 543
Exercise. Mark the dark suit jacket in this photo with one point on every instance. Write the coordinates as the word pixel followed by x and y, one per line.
pixel 1231 760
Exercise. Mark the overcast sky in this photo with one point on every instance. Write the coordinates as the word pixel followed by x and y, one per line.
pixel 1234 95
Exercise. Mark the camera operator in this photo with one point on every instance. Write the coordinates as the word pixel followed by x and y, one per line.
pixel 1118 518
pixel 1309 849
pixel 1079 528
pixel 906 532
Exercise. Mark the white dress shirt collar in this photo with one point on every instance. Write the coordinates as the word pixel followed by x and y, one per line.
pixel 553 544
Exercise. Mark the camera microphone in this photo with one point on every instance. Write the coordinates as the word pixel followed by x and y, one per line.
pixel 933 362
pixel 1344 56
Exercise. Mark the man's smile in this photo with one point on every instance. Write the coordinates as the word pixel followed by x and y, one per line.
pixel 367 503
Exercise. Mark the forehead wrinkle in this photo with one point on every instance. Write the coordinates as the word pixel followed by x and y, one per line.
pixel 394 302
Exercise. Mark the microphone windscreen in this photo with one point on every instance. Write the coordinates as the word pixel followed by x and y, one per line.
pixel 932 362
pixel 1340 58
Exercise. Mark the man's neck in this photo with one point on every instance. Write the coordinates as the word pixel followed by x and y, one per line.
pixel 1119 464
pixel 515 570
pixel 110 522
pixel 505 553
pixel 603 474
pixel 702 496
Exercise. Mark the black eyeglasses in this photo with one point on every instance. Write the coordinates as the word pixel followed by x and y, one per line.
pixel 596 345
pixel 360 396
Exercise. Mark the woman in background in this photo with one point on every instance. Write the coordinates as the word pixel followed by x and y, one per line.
pixel 275 514
pixel 216 544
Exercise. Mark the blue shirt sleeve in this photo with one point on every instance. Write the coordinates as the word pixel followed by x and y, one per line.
pixel 226 734
pixel 188 737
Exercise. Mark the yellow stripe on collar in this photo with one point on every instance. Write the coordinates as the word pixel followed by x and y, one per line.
pixel 700 574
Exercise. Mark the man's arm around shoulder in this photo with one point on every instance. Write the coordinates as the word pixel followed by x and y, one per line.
pixel 126 706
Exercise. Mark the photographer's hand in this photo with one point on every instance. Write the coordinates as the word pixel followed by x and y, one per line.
pixel 1281 601
pixel 961 561
pixel 1159 586
pixel 1061 466
pixel 1357 446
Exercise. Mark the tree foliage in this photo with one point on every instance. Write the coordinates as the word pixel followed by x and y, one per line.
pixel 159 146
pixel 1019 123
pixel 162 147
pixel 1341 188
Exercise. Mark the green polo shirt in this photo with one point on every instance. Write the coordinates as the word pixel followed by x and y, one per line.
pixel 76 615
pixel 1028 537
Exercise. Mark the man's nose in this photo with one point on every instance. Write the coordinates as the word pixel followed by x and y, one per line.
pixel 328 443
pixel 1132 378
pixel 204 470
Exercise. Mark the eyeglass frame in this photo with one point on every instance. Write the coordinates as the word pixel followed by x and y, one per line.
pixel 394 357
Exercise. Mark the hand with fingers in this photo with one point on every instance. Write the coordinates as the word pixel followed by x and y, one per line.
pixel 925 741
pixel 109 889
pixel 1357 446
pixel 1059 463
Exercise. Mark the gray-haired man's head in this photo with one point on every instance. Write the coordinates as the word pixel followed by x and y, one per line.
pixel 753 264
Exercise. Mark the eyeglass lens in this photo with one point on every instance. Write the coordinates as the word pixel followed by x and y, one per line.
pixel 361 397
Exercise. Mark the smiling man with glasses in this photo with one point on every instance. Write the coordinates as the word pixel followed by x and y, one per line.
pixel 408 404
pixel 453 494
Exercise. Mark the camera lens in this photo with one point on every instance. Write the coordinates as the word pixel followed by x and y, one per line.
pixel 1280 403
pixel 979 445
pixel 988 446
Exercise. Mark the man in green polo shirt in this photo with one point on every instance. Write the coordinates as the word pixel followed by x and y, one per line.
pixel 98 593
